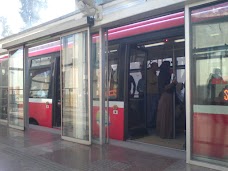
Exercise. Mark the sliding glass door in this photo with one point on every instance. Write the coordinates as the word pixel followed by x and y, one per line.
pixel 75 65
pixel 15 89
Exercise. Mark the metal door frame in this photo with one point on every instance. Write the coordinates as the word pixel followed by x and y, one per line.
pixel 5 121
pixel 188 66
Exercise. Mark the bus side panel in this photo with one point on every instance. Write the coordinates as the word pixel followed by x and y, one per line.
pixel 210 135
pixel 116 125
pixel 42 113
pixel 116 120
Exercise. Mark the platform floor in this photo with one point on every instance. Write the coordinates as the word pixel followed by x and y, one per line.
pixel 36 150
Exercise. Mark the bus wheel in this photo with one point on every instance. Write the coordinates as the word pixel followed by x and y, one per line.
pixel 33 121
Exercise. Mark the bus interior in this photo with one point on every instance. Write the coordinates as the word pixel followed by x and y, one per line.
pixel 133 56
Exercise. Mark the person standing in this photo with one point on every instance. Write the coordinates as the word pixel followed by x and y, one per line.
pixel 164 126
pixel 152 95
pixel 131 85
pixel 141 86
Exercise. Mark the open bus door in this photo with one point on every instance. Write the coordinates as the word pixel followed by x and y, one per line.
pixel 44 93
pixel 137 92
pixel 56 111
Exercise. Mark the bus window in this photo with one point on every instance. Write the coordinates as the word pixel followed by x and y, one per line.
pixel 113 63
pixel 40 80
pixel 41 61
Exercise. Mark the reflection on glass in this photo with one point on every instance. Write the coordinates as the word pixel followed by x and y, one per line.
pixel 75 117
pixel 96 88
pixel 16 112
pixel 210 84
pixel 3 89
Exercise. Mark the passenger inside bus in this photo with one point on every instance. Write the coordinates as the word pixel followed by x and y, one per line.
pixel 131 86
pixel 152 95
pixel 164 122
pixel 141 85
pixel 180 114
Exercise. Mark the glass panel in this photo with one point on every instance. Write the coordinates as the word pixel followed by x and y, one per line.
pixel 40 82
pixel 3 89
pixel 180 61
pixel 179 51
pixel 112 93
pixel 210 83
pixel 137 71
pixel 16 79
pixel 75 113
pixel 180 75
pixel 137 89
pixel 96 88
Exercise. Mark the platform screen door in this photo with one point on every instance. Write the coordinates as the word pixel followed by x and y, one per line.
pixel 76 123
pixel 15 89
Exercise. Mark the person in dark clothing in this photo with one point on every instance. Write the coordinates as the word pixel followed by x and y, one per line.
pixel 152 95
pixel 131 82
pixel 141 86
pixel 164 76
pixel 164 124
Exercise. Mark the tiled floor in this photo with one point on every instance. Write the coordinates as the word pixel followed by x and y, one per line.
pixel 36 150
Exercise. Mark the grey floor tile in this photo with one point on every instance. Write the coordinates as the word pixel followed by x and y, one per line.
pixel 36 150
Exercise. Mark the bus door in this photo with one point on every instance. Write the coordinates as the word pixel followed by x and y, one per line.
pixel 56 111
pixel 174 52
pixel 137 92
pixel 40 95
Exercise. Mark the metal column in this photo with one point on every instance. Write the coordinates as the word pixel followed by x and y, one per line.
pixel 102 84
pixel 26 88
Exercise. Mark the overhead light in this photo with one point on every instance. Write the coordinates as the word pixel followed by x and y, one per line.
pixel 111 51
pixel 179 40
pixel 215 34
pixel 154 44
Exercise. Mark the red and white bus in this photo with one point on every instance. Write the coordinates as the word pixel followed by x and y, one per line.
pixel 44 85
pixel 44 70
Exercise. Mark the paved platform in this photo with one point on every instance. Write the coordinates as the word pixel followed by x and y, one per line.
pixel 37 150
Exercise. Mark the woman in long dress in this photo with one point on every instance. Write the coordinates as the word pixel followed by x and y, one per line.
pixel 164 124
